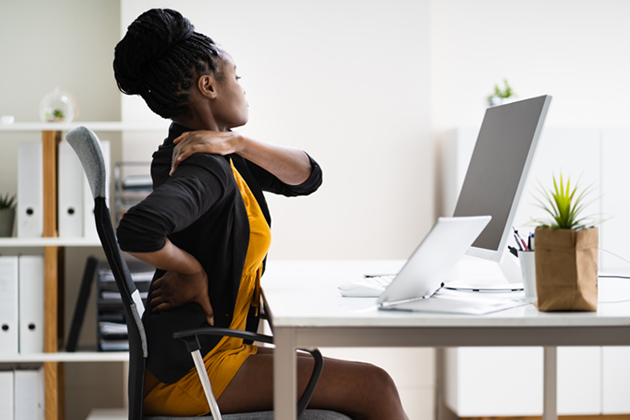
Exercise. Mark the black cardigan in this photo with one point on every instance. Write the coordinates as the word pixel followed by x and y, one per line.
pixel 200 209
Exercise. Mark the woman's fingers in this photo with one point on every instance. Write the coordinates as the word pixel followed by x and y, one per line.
pixel 164 306
pixel 177 155
pixel 206 307
pixel 181 137
pixel 202 141
pixel 190 143
pixel 156 300
pixel 181 153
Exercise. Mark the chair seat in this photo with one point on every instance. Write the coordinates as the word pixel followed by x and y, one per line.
pixel 264 415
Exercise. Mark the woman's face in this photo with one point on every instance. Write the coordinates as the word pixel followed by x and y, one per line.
pixel 231 108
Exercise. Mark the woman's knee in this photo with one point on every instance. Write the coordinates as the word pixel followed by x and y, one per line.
pixel 361 390
pixel 370 381
pixel 379 379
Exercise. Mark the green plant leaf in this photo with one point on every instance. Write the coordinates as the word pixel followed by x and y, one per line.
pixel 7 202
pixel 564 202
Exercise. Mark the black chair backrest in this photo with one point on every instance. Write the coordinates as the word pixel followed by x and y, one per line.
pixel 87 147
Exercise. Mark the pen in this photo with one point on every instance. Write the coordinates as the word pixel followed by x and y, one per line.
pixel 522 243
pixel 518 242
pixel 531 242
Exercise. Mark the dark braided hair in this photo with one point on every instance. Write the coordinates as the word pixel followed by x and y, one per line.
pixel 159 59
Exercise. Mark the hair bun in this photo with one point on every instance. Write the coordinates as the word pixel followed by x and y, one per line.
pixel 147 38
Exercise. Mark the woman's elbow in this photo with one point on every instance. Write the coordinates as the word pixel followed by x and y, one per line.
pixel 131 238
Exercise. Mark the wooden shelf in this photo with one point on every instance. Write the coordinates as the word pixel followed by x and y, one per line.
pixel 62 356
pixel 92 125
pixel 41 242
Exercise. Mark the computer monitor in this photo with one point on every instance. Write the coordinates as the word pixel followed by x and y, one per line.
pixel 498 169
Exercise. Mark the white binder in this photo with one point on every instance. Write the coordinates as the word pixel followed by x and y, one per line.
pixel 31 303
pixel 6 394
pixel 8 305
pixel 30 191
pixel 29 394
pixel 89 224
pixel 70 196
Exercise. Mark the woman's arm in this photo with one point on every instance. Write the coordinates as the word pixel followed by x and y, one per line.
pixel 185 279
pixel 291 166
pixel 172 207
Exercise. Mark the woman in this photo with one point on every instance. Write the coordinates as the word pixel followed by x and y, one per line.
pixel 205 228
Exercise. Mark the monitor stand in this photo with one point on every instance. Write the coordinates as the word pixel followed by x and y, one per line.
pixel 472 274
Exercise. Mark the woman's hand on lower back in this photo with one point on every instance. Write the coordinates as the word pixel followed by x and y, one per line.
pixel 175 289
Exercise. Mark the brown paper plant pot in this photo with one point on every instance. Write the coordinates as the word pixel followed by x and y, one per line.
pixel 7 216
pixel 566 269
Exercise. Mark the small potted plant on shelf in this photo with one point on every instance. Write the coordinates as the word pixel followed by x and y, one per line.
pixel 501 96
pixel 7 215
pixel 566 248
pixel 58 106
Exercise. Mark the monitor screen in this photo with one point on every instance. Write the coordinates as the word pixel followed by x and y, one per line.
pixel 498 170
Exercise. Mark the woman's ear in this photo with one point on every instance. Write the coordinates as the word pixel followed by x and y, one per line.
pixel 206 85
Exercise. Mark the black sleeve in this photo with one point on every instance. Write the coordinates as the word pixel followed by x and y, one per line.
pixel 189 193
pixel 269 182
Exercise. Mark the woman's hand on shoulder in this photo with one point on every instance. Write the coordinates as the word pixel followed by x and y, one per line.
pixel 203 141
pixel 290 165
pixel 175 289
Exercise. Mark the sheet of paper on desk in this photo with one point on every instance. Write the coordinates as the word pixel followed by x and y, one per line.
pixel 481 296
pixel 467 303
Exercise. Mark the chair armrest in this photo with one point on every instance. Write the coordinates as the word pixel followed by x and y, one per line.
pixel 245 335
pixel 192 344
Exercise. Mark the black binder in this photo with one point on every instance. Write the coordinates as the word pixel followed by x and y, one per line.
pixel 82 300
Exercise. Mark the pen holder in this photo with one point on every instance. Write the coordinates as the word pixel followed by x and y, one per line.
pixel 528 269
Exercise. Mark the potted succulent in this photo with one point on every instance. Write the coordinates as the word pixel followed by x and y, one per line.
pixel 566 250
pixel 501 96
pixel 7 215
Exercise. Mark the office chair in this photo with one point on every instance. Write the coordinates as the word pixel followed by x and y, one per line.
pixel 86 145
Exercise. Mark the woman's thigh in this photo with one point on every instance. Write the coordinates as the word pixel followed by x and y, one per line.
pixel 360 390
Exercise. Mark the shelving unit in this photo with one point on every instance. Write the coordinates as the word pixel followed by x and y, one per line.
pixel 52 359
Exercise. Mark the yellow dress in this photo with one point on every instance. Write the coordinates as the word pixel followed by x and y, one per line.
pixel 185 397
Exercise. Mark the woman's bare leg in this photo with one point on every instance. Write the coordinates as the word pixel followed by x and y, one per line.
pixel 359 390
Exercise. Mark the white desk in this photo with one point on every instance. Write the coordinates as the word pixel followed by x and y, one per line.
pixel 306 310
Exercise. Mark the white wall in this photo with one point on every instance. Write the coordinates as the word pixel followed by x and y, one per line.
pixel 575 50
pixel 348 81
pixel 67 43
pixel 44 44
pixel 367 86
